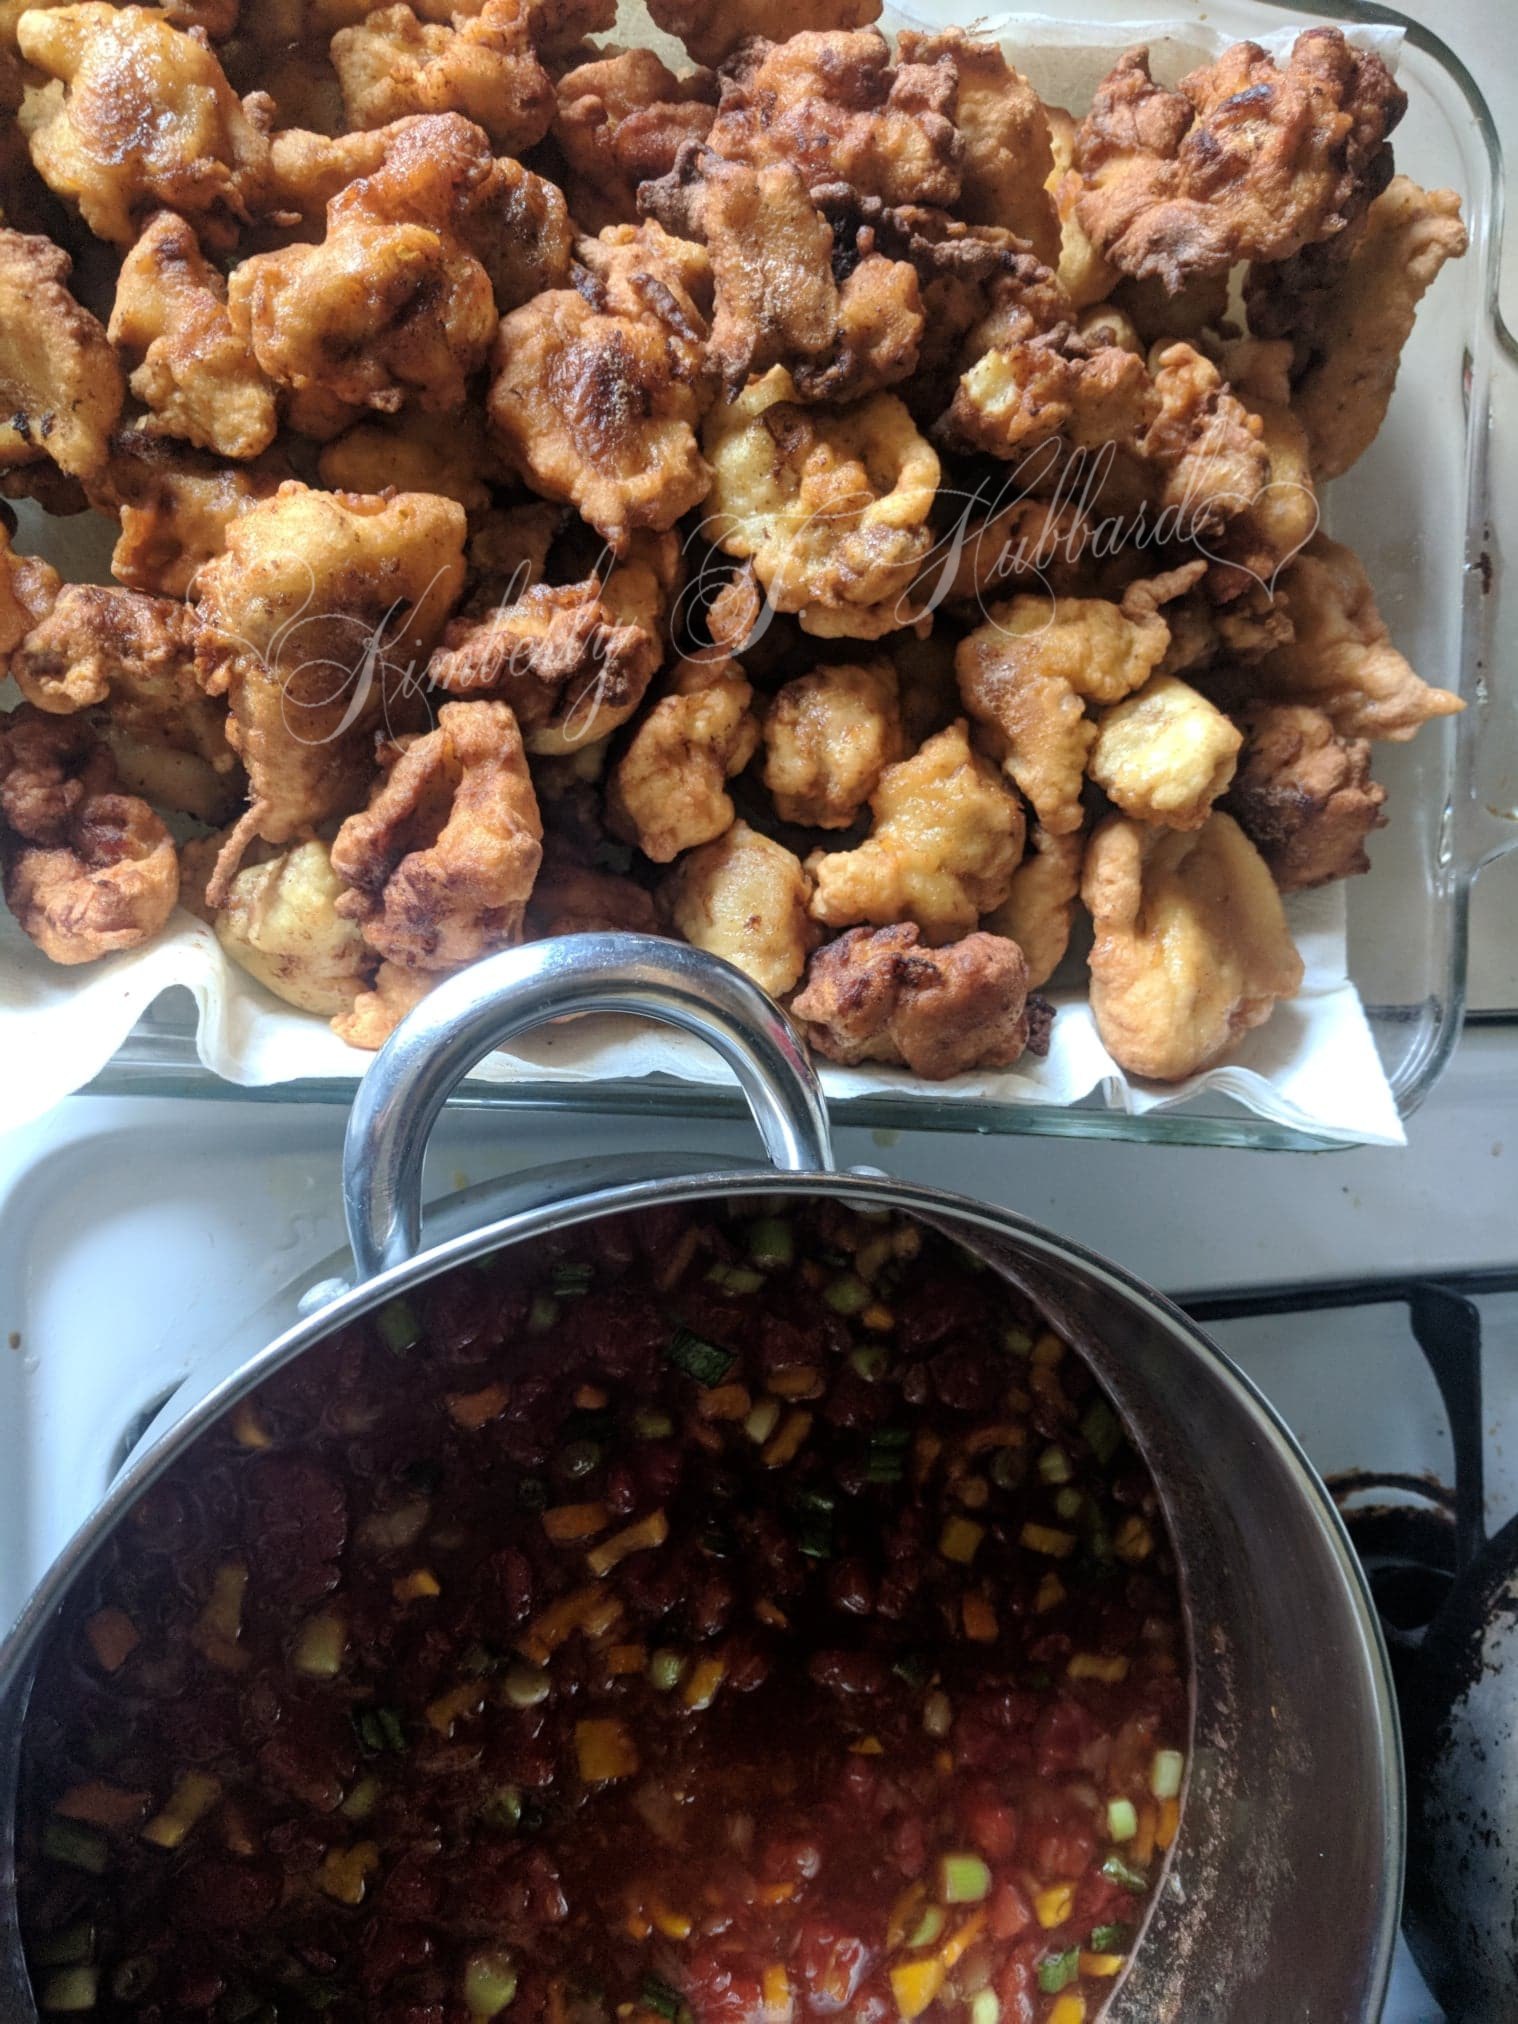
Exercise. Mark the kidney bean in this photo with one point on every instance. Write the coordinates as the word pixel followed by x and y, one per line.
pixel 849 1672
pixel 850 1587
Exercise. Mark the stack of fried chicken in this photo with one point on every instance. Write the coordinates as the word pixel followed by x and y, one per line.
pixel 818 501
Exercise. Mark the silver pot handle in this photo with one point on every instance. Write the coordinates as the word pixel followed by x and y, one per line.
pixel 454 1026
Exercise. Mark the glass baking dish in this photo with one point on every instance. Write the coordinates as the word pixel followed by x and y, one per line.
pixel 1421 507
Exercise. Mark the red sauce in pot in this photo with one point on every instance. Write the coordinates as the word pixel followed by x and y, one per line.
pixel 726 1618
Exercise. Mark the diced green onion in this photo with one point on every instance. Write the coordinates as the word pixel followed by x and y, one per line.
pixel 888 1454
pixel 985 2007
pixel 1068 1502
pixel 1110 1939
pixel 399 1329
pixel 771 1242
pixel 1058 1971
pixel 1165 1773
pixel 1017 1340
pixel 652 1426
pixel 1009 1466
pixel 570 1280
pixel 847 1294
pixel 664 1670
pixel 526 1686
pixel 490 1983
pixel 542 1314
pixel 1101 1430
pixel 734 1278
pixel 70 1991
pixel 319 1647
pixel 927 1928
pixel 1117 1871
pixel 963 1878
pixel 133 1979
pixel 1054 1466
pixel 379 1730
pixel 503 1809
pixel 79 1847
pixel 1122 1820
pixel 913 1668
pixel 65 1948
pixel 578 1458
pixel 661 1997
pixel 814 1534
pixel 871 1361
pixel 361 1801
pixel 707 1362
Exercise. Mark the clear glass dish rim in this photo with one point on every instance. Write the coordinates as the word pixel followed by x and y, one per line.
pixel 153 1062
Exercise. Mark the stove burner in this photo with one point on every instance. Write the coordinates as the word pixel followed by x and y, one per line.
pixel 1407 1546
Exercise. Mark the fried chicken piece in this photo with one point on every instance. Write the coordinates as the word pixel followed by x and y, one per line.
pixel 1246 161
pixel 1037 912
pixel 442 862
pixel 314 618
pixel 1159 317
pixel 60 386
pixel 597 390
pixel 392 306
pixel 744 897
pixel 621 121
pixel 1164 754
pixel 877 343
pixel 1341 658
pixel 833 104
pixel 828 737
pixel 1359 328
pixel 87 871
pixel 100 645
pixel 483 66
pixel 1016 397
pixel 946 838
pixel 279 922
pixel 712 32
pixel 570 898
pixel 1029 671
pixel 415 452
pixel 1281 518
pixel 1304 796
pixel 667 793
pixel 1008 154
pixel 830 505
pixel 1084 274
pixel 1191 948
pixel 572 660
pixel 1204 446
pixel 875 995
pixel 1027 541
pixel 143 116
pixel 28 589
pixel 194 374
pixel 378 1011
pixel 175 505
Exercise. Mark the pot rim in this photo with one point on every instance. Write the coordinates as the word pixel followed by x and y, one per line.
pixel 868 1187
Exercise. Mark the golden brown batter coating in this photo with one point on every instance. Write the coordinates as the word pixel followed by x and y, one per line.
pixel 192 371
pixel 1191 947
pixel 442 862
pixel 60 386
pixel 571 898
pixel 744 897
pixel 1304 797
pixel 378 1011
pixel 597 390
pixel 712 29
pixel 836 106
pixel 1164 754
pixel 175 505
pixel 316 619
pixel 946 838
pixel 142 115
pixel 482 65
pixel 667 791
pixel 279 922
pixel 414 452
pixel 1038 912
pixel 875 995
pixel 28 588
pixel 1008 153
pixel 88 871
pixel 828 737
pixel 621 120
pixel 1245 161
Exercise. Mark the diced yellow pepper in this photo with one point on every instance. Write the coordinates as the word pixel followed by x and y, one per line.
pixel 867 1746
pixel 344 1874
pixel 1047 1539
pixel 417 1586
pixel 1047 1351
pixel 673 1925
pixel 1169 1821
pixel 1068 2009
pixel 1133 1541
pixel 796 1381
pixel 605 1750
pixel 725 1402
pixel 705 1678
pixel 248 1429
pixel 783 1448
pixel 1102 1964
pixel 960 1941
pixel 1051 1593
pixel 189 1802
pixel 453 1706
pixel 878 1318
pixel 625 1659
pixel 1051 1907
pixel 960 1538
pixel 567 1522
pixel 1093 1666
pixel 775 1987
pixel 476 1409
pixel 639 1537
pixel 914 1984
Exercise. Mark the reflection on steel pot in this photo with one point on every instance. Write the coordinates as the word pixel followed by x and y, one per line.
pixel 1286 1873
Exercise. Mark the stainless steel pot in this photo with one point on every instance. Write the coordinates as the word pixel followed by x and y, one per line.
pixel 1280 1898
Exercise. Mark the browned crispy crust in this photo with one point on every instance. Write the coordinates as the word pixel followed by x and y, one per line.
pixel 621 121
pixel 1304 796
pixel 60 386
pixel 1247 160
pixel 875 995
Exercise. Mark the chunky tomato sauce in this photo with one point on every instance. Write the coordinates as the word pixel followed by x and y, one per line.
pixel 723 1618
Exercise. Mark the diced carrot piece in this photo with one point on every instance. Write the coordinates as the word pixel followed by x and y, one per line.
pixel 1003 1434
pixel 103 1805
pixel 772 1614
pixel 625 1659
pixel 725 1402
pixel 590 1398
pixel 1140 1850
pixel 1051 1593
pixel 637 1538
pixel 794 1429
pixel 552 1626
pixel 113 1637
pixel 605 1750
pixel 979 1618
pixel 564 1523
pixel 796 1381
pixel 774 1893
pixel 451 1707
pixel 1170 1820
pixel 1094 1666
pixel 476 1409
pixel 867 1746
pixel 706 1676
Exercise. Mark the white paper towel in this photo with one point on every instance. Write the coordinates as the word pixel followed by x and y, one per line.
pixel 1312 1067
